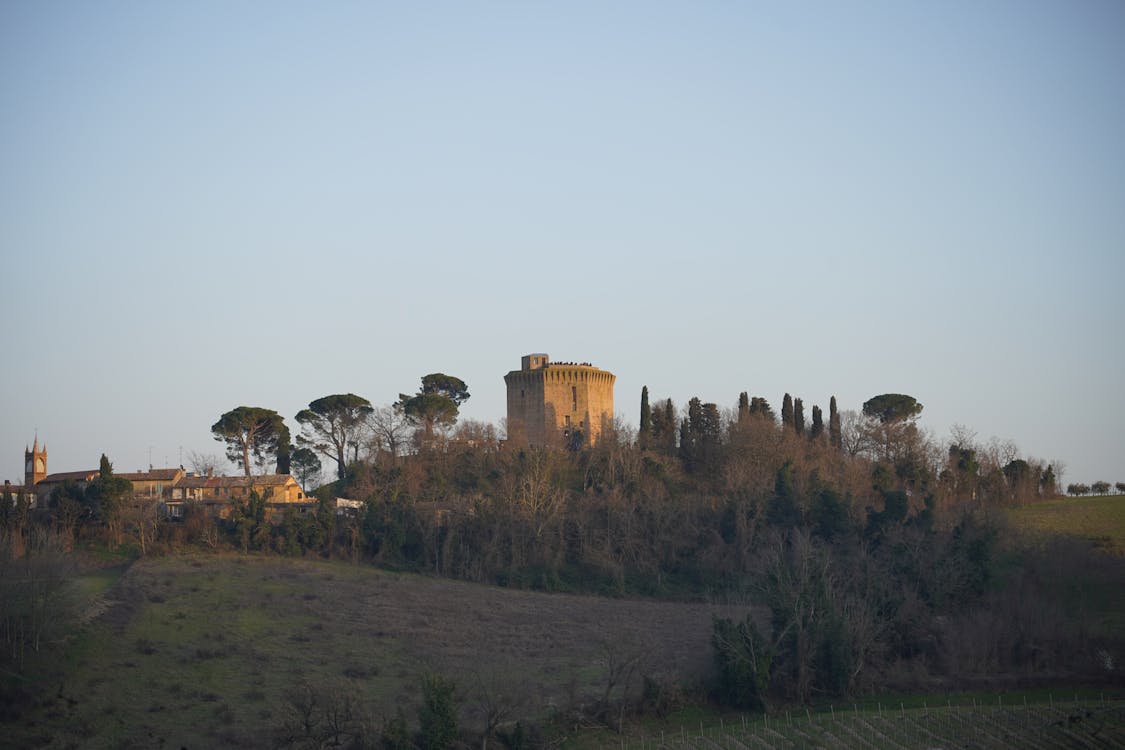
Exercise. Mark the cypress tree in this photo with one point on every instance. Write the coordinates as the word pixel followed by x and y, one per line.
pixel 787 411
pixel 664 427
pixel 781 509
pixel 743 407
pixel 799 416
pixel 670 420
pixel 709 437
pixel 283 451
pixel 817 429
pixel 835 439
pixel 759 407
pixel 687 446
pixel 646 420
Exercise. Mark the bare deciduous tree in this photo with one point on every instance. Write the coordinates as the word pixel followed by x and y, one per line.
pixel 206 463
pixel 532 491
pixel 142 518
pixel 390 430
pixel 321 716
pixel 497 698
pixel 473 433
pixel 855 437
pixel 963 437
pixel 623 655
pixel 38 604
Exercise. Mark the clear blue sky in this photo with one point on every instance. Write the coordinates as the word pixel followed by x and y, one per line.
pixel 204 205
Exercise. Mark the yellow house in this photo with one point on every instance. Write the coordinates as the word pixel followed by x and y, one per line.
pixel 217 494
pixel 154 483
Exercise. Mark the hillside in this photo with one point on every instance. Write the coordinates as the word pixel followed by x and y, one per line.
pixel 208 650
pixel 1099 519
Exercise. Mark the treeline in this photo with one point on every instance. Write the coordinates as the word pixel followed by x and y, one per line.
pixel 1097 488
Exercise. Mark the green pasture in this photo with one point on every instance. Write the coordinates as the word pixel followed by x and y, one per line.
pixel 1100 520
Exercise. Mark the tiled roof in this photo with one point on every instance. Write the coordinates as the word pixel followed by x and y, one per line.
pixel 264 480
pixel 154 475
pixel 69 476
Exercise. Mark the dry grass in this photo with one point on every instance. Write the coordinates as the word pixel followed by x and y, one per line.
pixel 207 650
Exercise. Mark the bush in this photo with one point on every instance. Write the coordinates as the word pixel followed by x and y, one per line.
pixel 396 735
pixel 662 696
pixel 743 660
pixel 438 714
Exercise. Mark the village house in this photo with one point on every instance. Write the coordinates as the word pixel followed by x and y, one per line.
pixel 216 495
pixel 153 484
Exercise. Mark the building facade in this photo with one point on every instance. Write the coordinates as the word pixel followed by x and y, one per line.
pixel 217 495
pixel 558 404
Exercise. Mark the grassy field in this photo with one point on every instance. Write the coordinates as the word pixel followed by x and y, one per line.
pixel 1098 519
pixel 208 651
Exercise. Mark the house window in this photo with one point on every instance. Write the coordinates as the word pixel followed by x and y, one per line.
pixel 566 420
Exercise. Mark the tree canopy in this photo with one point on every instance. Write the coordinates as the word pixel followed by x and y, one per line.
pixel 892 407
pixel 108 487
pixel 251 431
pixel 445 385
pixel 331 424
pixel 437 402
pixel 109 494
pixel 306 466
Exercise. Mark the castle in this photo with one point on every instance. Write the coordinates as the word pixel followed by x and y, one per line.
pixel 553 403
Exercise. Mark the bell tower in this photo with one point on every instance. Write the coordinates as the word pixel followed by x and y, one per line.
pixel 34 464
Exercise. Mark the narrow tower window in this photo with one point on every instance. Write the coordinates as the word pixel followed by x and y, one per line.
pixel 574 396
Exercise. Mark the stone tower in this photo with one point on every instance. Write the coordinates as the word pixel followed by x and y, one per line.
pixel 34 464
pixel 551 403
